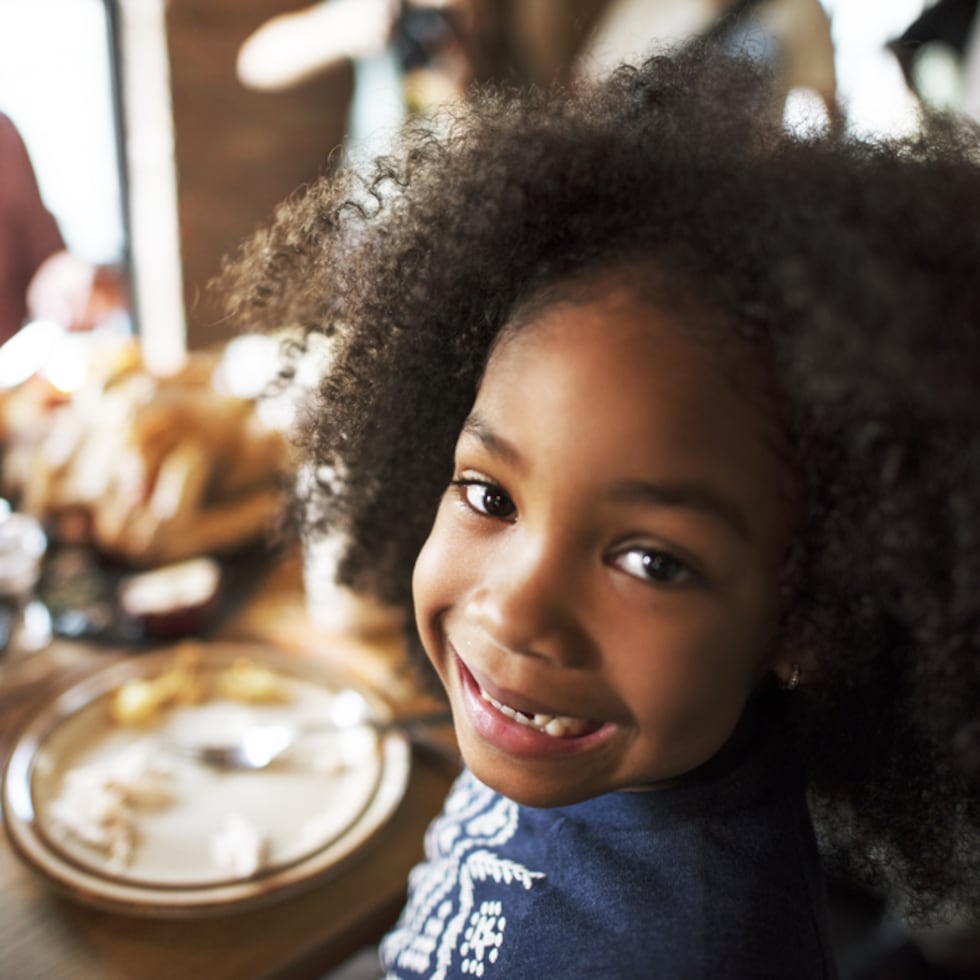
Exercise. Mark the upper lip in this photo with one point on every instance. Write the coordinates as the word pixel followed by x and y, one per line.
pixel 513 699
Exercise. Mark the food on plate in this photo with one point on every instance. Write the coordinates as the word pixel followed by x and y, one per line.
pixel 141 701
pixel 253 683
pixel 150 470
pixel 138 702
pixel 239 847
pixel 175 600
pixel 99 803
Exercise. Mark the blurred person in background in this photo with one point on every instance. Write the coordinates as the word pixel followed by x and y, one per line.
pixel 39 277
pixel 435 50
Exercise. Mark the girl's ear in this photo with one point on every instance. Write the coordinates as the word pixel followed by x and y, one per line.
pixel 789 672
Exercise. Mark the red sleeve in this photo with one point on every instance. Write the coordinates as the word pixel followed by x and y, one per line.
pixel 28 231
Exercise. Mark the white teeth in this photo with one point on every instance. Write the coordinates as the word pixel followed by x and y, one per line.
pixel 557 726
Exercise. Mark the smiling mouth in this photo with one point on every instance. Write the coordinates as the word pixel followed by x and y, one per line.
pixel 557 726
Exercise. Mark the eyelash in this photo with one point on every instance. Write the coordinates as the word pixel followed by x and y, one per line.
pixel 464 486
pixel 659 567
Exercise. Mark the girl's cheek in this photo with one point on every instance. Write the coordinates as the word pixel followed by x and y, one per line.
pixel 435 576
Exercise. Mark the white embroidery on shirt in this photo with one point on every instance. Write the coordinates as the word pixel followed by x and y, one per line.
pixel 483 937
pixel 460 848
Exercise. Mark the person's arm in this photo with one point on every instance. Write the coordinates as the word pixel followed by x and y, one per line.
pixel 38 235
pixel 29 234
pixel 51 282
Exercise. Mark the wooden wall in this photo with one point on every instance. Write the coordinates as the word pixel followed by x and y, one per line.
pixel 238 152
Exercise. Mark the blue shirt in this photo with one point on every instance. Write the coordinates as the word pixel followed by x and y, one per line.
pixel 714 877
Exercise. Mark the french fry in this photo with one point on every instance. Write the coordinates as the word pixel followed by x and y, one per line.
pixel 181 484
pixel 260 454
pixel 153 469
pixel 226 526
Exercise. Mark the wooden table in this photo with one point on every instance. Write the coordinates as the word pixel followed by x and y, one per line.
pixel 45 935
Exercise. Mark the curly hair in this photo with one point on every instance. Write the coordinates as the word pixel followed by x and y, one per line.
pixel 853 261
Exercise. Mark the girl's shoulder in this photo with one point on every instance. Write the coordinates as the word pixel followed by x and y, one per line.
pixel 628 881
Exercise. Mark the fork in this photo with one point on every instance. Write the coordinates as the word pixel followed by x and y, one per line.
pixel 260 745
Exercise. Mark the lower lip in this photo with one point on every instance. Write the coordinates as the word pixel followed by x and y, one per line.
pixel 511 736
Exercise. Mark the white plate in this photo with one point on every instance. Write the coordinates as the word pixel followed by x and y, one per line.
pixel 313 810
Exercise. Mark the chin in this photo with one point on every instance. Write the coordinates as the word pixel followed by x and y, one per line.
pixel 525 785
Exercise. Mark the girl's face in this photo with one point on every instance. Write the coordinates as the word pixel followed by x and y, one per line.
pixel 599 590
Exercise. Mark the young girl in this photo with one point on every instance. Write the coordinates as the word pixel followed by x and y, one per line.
pixel 675 416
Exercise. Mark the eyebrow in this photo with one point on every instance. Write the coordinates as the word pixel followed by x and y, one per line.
pixel 687 496
pixel 677 495
pixel 474 426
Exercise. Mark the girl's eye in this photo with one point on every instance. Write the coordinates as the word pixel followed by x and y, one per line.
pixel 486 498
pixel 657 567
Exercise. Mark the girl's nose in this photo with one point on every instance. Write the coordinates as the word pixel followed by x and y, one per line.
pixel 529 601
